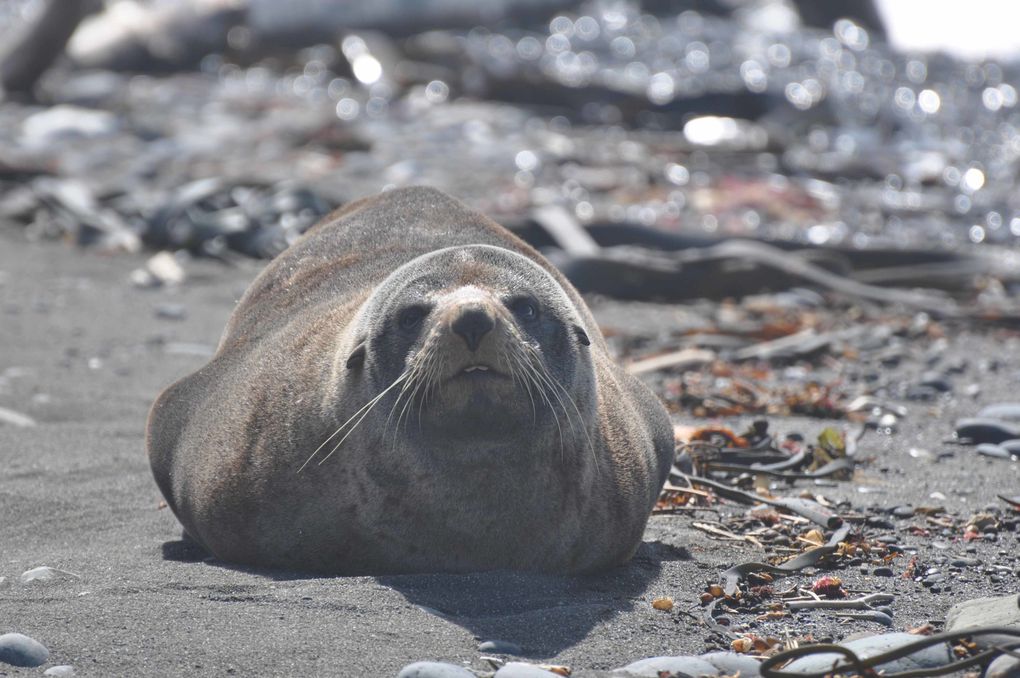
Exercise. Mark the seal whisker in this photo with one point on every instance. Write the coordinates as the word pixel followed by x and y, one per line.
pixel 529 371
pixel 543 373
pixel 431 370
pixel 410 387
pixel 518 379
pixel 367 406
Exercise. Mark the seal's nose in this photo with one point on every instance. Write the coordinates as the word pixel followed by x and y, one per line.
pixel 472 324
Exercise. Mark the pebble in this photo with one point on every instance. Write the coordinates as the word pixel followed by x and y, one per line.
pixel 979 430
pixel 903 511
pixel 919 392
pixel 171 311
pixel 43 573
pixel 20 650
pixel 522 670
pixel 937 382
pixel 434 670
pixel 883 572
pixel 928 658
pixel 1003 666
pixel 994 451
pixel 683 666
pixel 1003 411
pixel 499 647
pixel 64 671
pixel 1002 611
pixel 965 562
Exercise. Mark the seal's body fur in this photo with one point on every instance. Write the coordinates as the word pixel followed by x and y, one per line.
pixel 226 442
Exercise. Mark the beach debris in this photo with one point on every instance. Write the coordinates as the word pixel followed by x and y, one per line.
pixel 44 573
pixel 20 650
pixel 664 603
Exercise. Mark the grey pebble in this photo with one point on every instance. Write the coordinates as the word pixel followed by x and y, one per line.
pixel 522 670
pixel 994 451
pixel 499 647
pixel 711 664
pixel 983 430
pixel 928 658
pixel 903 511
pixel 1003 666
pixel 64 670
pixel 434 670
pixel 936 381
pixel 171 311
pixel 978 612
pixel 20 650
pixel 965 562
pixel 1004 411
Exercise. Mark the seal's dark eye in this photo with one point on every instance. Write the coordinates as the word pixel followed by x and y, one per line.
pixel 411 317
pixel 525 309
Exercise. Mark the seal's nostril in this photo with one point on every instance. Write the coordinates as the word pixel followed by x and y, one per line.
pixel 472 324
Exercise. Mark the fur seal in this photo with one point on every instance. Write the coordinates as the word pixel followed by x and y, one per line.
pixel 411 388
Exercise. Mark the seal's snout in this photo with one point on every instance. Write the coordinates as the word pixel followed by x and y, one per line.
pixel 472 323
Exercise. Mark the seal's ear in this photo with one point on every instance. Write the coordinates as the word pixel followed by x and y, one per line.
pixel 357 357
pixel 582 336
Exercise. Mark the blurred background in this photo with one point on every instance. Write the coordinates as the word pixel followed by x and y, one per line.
pixel 225 128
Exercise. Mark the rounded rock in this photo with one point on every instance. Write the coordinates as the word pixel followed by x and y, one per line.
pixel 655 666
pixel 903 511
pixel 20 650
pixel 434 670
pixel 522 670
pixel 983 430
pixel 62 671
pixel 1003 666
pixel 1003 411
pixel 1011 446
pixel 993 450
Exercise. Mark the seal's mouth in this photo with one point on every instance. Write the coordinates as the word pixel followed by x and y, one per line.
pixel 477 372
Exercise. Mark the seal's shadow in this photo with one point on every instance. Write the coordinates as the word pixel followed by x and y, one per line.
pixel 543 614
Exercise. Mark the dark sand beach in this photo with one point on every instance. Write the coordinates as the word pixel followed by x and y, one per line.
pixel 83 352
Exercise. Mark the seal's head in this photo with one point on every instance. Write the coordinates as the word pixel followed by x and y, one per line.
pixel 482 343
